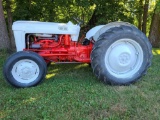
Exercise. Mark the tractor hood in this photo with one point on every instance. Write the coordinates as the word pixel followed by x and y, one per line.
pixel 47 27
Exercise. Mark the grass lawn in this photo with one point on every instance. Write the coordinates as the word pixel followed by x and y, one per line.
pixel 72 92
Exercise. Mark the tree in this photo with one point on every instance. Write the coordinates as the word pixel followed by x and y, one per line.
pixel 140 14
pixel 154 34
pixel 9 20
pixel 109 11
pixel 4 39
pixel 145 15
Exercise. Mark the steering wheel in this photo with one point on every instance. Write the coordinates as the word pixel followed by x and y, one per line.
pixel 78 20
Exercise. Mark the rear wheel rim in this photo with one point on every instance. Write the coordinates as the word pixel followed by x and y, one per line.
pixel 25 71
pixel 124 58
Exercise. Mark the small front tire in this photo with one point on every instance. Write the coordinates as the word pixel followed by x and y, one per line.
pixel 24 69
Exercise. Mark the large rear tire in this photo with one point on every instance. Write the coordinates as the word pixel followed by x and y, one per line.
pixel 24 69
pixel 121 55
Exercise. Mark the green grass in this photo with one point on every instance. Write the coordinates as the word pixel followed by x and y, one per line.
pixel 72 92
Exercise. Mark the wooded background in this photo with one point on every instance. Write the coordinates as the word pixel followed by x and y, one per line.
pixel 145 14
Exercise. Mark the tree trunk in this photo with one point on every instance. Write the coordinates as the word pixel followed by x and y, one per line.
pixel 9 17
pixel 4 39
pixel 140 15
pixel 154 34
pixel 145 15
pixel 93 20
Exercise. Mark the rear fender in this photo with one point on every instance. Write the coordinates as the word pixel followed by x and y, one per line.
pixel 93 31
pixel 98 30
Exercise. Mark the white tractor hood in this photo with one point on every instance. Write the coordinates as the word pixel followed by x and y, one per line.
pixel 47 27
pixel 20 28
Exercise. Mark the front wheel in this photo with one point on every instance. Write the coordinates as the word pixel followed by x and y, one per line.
pixel 25 69
pixel 121 55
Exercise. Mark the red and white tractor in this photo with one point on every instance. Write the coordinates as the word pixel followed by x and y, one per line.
pixel 118 52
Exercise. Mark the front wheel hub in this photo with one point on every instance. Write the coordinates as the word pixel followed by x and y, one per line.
pixel 25 71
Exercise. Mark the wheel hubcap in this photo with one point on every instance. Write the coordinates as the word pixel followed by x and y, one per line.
pixel 25 71
pixel 124 58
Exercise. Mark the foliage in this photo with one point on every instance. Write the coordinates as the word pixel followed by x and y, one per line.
pixel 63 10
pixel 158 6
pixel 71 91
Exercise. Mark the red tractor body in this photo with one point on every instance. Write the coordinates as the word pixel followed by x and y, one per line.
pixel 60 49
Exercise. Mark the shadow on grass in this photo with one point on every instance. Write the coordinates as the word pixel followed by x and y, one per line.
pixel 70 72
